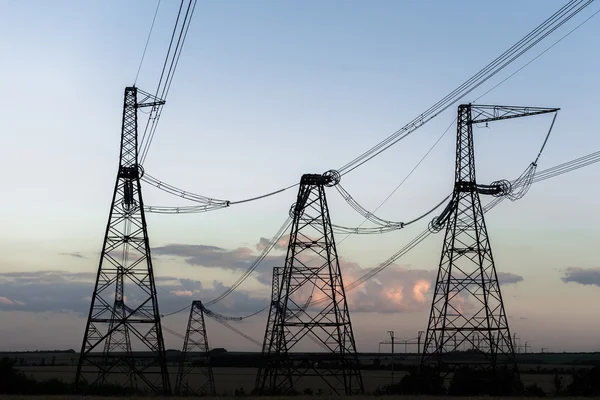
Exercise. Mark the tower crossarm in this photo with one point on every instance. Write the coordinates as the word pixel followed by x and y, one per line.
pixel 489 113
pixel 148 100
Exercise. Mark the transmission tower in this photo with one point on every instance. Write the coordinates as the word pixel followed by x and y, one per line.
pixel 311 272
pixel 123 342
pixel 195 357
pixel 467 311
pixel 270 332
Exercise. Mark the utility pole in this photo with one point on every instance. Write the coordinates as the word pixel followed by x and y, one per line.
pixel 392 337
pixel 419 343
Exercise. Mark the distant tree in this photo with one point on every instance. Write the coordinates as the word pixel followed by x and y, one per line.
pixel 586 382
pixel 376 363
pixel 558 385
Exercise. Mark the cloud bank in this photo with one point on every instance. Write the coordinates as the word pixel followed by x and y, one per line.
pixel 396 289
pixel 583 276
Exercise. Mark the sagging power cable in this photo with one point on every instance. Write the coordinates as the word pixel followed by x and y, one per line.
pixel 547 27
pixel 255 264
pixel 384 228
pixel 207 203
pixel 539 176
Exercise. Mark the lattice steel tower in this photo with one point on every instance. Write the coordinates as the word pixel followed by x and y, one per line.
pixel 195 374
pixel 311 304
pixel 467 312
pixel 270 331
pixel 123 342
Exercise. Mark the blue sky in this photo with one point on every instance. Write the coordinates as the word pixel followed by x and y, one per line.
pixel 266 91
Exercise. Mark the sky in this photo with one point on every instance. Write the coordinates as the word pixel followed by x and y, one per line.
pixel 266 91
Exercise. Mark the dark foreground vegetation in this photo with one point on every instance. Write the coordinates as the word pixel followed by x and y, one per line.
pixel 465 382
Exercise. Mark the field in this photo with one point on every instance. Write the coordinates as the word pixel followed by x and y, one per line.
pixel 235 370
pixel 227 379
pixel 2 397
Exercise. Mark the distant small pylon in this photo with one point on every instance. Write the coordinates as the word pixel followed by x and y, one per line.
pixel 195 374
pixel 270 331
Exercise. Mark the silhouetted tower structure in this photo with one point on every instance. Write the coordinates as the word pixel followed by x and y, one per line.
pixel 311 272
pixel 270 331
pixel 467 309
pixel 123 340
pixel 195 374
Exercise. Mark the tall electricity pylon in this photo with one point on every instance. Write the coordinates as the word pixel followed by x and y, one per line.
pixel 467 311
pixel 195 374
pixel 311 272
pixel 123 342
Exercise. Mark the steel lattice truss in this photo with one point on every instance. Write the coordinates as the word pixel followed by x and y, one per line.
pixel 311 271
pixel 270 330
pixel 195 374
pixel 467 311
pixel 123 342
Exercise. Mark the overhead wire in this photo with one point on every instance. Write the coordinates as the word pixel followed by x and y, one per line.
pixel 563 15
pixel 255 264
pixel 391 140
pixel 164 86
pixel 198 198
pixel 351 231
pixel 174 312
pixel 531 45
pixel 538 56
pixel 147 42
pixel 172 69
pixel 386 228
pixel 542 175
pixel 155 109
pixel 233 329
pixel 539 176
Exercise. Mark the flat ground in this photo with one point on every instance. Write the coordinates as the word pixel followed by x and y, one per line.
pixel 2 397
pixel 227 380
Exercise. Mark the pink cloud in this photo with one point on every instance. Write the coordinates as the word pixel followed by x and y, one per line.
pixel 395 289
pixel 8 302
pixel 187 293
pixel 282 243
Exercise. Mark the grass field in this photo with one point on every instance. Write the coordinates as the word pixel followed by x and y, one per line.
pixel 6 397
pixel 227 380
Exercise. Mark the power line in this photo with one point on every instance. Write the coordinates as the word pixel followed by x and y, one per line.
pixel 547 27
pixel 164 85
pixel 146 46
pixel 430 114
pixel 538 56
pixel 539 176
